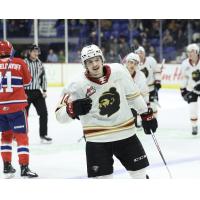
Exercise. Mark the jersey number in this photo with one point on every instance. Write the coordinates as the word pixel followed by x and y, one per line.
pixel 8 76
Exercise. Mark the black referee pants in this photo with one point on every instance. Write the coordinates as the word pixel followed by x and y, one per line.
pixel 35 97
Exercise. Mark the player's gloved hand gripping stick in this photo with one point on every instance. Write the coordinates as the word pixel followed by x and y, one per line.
pixel 149 122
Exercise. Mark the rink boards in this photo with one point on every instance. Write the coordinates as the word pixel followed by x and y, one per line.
pixel 62 74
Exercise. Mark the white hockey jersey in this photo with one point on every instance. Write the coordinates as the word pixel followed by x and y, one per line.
pixel 141 81
pixel 110 118
pixel 151 70
pixel 187 69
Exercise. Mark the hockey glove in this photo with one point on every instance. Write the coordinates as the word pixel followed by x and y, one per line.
pixel 149 123
pixel 157 84
pixel 79 107
pixel 197 88
pixel 185 94
pixel 153 96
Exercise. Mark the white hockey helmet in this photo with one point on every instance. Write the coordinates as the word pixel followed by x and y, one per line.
pixel 90 52
pixel 194 47
pixel 140 49
pixel 132 57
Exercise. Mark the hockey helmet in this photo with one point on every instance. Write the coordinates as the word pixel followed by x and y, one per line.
pixel 194 47
pixel 6 48
pixel 90 52
pixel 140 49
pixel 34 47
pixel 132 57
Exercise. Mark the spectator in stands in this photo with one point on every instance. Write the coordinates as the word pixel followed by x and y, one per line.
pixel 152 52
pixel 173 27
pixel 52 57
pixel 93 39
pixel 123 48
pixel 112 44
pixel 135 43
pixel 111 57
pixel 167 39
pixel 181 40
pixel 61 56
pixel 12 28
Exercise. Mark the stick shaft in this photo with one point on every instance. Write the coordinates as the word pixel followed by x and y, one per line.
pixel 160 152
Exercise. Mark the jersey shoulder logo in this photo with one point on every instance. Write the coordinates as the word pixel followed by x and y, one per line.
pixel 196 75
pixel 90 91
pixel 109 102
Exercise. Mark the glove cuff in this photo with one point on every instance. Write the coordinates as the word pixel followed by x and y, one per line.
pixel 157 82
pixel 70 110
pixel 183 91
pixel 148 116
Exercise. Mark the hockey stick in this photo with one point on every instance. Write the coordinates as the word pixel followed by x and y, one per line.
pixel 162 64
pixel 160 152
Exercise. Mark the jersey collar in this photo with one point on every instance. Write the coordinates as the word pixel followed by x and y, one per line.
pixel 190 61
pixel 133 75
pixel 103 79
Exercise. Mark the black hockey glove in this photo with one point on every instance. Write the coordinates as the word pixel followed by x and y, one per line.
pixel 79 107
pixel 185 94
pixel 197 88
pixel 149 123
pixel 157 84
pixel 153 96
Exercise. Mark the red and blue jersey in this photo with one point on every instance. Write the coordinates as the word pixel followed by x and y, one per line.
pixel 13 78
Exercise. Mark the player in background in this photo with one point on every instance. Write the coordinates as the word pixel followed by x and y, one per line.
pixel 14 75
pixel 190 85
pixel 131 61
pixel 152 71
pixel 102 99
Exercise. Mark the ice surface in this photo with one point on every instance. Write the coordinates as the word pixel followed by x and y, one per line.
pixel 65 157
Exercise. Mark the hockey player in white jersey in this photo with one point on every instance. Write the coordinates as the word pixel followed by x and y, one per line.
pixel 102 99
pixel 148 65
pixel 131 61
pixel 190 85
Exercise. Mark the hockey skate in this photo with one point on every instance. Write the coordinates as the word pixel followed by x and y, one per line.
pixel 27 173
pixel 194 130
pixel 45 140
pixel 9 171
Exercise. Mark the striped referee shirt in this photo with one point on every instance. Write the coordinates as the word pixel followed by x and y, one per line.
pixel 38 75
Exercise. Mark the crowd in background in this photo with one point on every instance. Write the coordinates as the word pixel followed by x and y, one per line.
pixel 117 37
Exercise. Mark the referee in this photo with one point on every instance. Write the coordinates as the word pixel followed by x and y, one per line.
pixel 36 91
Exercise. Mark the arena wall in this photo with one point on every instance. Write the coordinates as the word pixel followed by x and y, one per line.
pixel 62 74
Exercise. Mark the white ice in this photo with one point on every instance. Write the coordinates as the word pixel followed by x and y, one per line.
pixel 65 157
